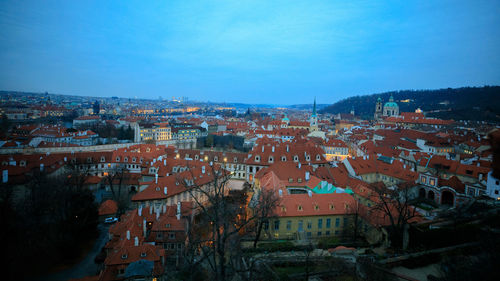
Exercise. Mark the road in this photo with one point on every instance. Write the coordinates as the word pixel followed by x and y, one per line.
pixel 86 267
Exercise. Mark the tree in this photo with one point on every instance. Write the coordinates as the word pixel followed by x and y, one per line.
pixel 115 179
pixel 395 204
pixel 221 221
pixel 264 205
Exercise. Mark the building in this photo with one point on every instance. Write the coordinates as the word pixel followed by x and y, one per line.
pixel 378 109
pixel 391 108
pixel 152 132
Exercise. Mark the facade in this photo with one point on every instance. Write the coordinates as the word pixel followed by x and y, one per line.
pixel 152 132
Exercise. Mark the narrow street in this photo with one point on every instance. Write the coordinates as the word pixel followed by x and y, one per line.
pixel 85 267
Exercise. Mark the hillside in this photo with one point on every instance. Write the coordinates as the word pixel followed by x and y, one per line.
pixel 469 103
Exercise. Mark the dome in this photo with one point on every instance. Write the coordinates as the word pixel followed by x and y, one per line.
pixel 391 104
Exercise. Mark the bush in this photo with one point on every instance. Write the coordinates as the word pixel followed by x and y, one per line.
pixel 328 242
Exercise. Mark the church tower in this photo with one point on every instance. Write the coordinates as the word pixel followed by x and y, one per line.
pixel 378 109
pixel 313 122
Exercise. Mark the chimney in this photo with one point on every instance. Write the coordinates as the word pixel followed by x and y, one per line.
pixel 144 228
pixel 136 241
pixel 156 178
pixel 307 176
pixel 202 169
pixel 128 234
pixel 178 215
pixel 165 190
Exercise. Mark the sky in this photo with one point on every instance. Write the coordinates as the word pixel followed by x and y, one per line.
pixel 274 52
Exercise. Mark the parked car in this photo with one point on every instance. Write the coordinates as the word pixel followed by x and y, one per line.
pixel 111 220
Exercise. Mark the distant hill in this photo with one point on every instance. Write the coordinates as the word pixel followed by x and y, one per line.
pixel 468 103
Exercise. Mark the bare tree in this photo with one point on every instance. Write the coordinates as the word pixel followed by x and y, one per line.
pixel 222 220
pixel 395 204
pixel 115 179
pixel 264 206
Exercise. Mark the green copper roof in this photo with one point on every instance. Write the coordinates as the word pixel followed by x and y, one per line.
pixel 391 104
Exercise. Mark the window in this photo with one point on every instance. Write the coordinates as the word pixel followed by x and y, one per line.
pixel 327 233
pixel 328 223
pixel 143 254
pixel 290 179
pixel 289 225
pixel 171 236
pixel 271 159
pixel 299 180
pixel 159 235
pixel 257 158
pixel 432 181
pixel 167 225
pixel 319 233
pixel 296 158
pixel 309 235
pixel 276 225
pixel 320 223
pixel 318 157
pixel 309 225
pixel 301 225
pixel 336 232
pixel 308 158
pixel 283 158
pixel 346 221
pixel 265 225
pixel 299 208
pixel 124 256
pixel 337 222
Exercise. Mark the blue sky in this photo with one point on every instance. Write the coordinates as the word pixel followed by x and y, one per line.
pixel 281 52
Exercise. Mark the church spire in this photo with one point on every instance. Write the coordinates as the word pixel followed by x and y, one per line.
pixel 314 107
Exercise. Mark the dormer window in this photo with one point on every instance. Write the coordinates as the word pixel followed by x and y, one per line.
pixel 290 179
pixel 257 158
pixel 299 208
pixel 133 159
pixel 271 159
pixel 22 163
pixel 308 158
pixel 196 157
pixel 235 160
pixel 332 207
pixel 143 254
pixel 318 157
pixel 216 158
pixel 125 159
pixel 124 256
pixel 89 160
pixel 299 180
pixel 117 159
pixel 296 158
pixel 316 207
pixel 167 225
pixel 157 189
pixel 103 159
pixel 148 149
pixel 283 208
pixel 283 158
